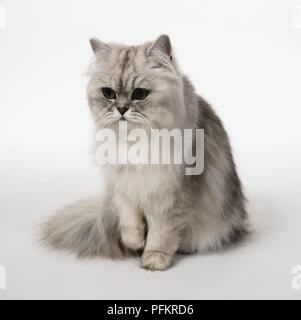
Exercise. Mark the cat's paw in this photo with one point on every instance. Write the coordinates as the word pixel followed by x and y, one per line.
pixel 133 238
pixel 155 260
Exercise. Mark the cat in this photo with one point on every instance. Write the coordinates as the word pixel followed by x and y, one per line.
pixel 154 211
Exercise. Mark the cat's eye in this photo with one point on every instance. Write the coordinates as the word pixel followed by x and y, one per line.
pixel 140 94
pixel 108 93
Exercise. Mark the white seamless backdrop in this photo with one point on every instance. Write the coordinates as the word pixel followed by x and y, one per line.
pixel 242 56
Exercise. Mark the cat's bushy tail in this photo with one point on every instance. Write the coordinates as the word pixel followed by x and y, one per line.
pixel 85 228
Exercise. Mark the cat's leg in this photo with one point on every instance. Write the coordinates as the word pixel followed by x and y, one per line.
pixel 163 239
pixel 131 224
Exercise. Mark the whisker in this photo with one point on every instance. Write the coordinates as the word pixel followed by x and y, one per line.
pixel 147 121
pixel 139 119
pixel 104 117
pixel 143 118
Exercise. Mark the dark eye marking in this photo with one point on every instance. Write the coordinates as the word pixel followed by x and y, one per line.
pixel 139 94
pixel 108 93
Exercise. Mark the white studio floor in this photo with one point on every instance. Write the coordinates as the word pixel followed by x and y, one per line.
pixel 244 57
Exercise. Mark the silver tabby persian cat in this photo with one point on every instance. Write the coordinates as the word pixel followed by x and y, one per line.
pixel 152 210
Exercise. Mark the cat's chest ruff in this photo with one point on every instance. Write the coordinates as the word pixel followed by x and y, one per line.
pixel 142 182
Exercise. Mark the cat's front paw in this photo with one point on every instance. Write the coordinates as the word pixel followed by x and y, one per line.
pixel 133 238
pixel 155 260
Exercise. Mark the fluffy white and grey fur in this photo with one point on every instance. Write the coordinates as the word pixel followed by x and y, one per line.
pixel 153 210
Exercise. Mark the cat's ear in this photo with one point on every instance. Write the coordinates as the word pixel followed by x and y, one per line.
pixel 161 45
pixel 99 47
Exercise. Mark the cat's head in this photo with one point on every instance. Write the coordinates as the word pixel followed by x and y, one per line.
pixel 138 84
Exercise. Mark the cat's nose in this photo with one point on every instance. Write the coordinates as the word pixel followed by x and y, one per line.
pixel 123 109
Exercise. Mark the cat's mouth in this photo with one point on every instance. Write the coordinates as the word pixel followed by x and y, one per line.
pixel 130 121
pixel 136 119
pixel 128 118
